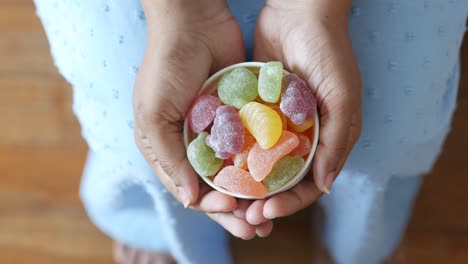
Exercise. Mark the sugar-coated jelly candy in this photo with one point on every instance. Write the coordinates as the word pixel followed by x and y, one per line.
pixel 262 122
pixel 203 112
pixel 297 101
pixel 270 81
pixel 202 157
pixel 240 159
pixel 227 132
pixel 238 87
pixel 302 127
pixel 304 146
pixel 237 180
pixel 228 162
pixel 283 171
pixel 284 119
pixel 260 161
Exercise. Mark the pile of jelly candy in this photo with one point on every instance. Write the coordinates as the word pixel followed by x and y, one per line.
pixel 255 134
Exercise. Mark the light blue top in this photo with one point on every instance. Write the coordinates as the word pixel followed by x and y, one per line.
pixel 408 54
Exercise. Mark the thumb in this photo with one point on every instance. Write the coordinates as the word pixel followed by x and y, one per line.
pixel 334 146
pixel 339 101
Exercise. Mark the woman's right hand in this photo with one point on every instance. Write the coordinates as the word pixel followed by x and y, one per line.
pixel 187 41
pixel 311 38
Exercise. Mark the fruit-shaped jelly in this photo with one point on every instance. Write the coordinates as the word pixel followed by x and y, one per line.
pixel 202 157
pixel 237 180
pixel 302 127
pixel 238 87
pixel 240 159
pixel 260 161
pixel 270 81
pixel 297 101
pixel 304 146
pixel 283 171
pixel 203 112
pixel 262 122
pixel 227 133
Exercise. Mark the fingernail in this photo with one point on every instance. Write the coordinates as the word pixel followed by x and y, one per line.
pixel 268 215
pixel 329 182
pixel 183 196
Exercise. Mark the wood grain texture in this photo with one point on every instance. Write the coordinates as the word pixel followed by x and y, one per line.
pixel 42 154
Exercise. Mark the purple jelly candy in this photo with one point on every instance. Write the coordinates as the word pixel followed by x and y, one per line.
pixel 223 155
pixel 298 101
pixel 227 133
pixel 203 112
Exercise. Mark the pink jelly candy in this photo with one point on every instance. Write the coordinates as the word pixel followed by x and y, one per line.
pixel 239 181
pixel 304 146
pixel 227 133
pixel 298 101
pixel 260 161
pixel 203 112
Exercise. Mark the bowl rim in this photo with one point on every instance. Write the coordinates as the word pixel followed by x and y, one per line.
pixel 209 88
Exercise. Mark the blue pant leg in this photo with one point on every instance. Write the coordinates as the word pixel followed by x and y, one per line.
pixel 408 53
pixel 364 220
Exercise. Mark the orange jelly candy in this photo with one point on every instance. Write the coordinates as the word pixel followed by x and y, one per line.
pixel 302 127
pixel 240 159
pixel 304 146
pixel 260 161
pixel 240 181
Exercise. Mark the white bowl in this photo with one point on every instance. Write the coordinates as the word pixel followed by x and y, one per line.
pixel 210 87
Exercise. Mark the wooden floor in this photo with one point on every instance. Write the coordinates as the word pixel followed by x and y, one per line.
pixel 41 157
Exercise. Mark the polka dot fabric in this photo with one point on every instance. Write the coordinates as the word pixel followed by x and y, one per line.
pixel 408 56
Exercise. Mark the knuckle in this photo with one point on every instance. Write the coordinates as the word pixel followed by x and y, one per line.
pixel 142 115
pixel 337 151
pixel 171 168
pixel 161 115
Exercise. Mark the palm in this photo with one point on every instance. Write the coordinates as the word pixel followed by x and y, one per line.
pixel 175 66
pixel 322 55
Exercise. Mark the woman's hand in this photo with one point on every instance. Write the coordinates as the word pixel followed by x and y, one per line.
pixel 187 41
pixel 311 38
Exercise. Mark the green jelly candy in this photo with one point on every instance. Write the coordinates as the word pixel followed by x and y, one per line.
pixel 270 81
pixel 283 171
pixel 238 87
pixel 202 157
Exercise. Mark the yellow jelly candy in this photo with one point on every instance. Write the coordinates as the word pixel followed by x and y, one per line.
pixel 302 127
pixel 262 122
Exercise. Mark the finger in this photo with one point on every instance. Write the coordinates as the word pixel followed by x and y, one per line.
pixel 292 201
pixel 210 200
pixel 214 201
pixel 237 227
pixel 264 229
pixel 178 176
pixel 254 213
pixel 335 127
pixel 241 210
pixel 354 134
